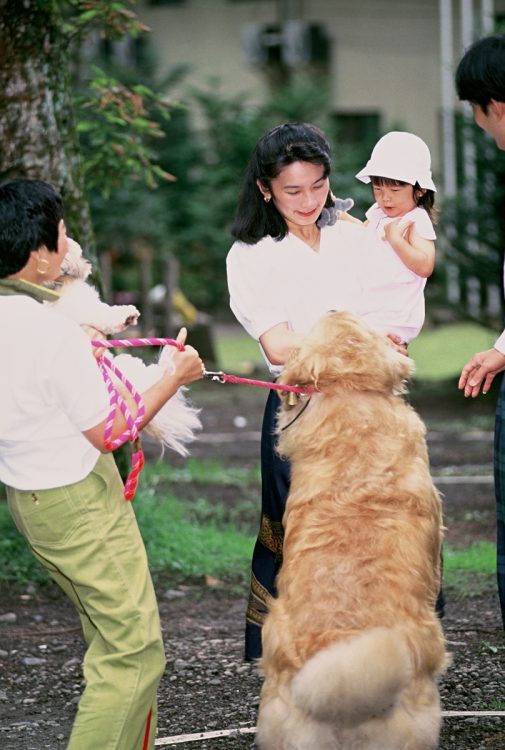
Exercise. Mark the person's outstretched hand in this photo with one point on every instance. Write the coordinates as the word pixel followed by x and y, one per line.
pixel 479 372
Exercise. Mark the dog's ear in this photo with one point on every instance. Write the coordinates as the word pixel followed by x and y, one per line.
pixel 74 264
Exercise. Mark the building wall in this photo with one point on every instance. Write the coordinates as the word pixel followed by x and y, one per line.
pixel 385 54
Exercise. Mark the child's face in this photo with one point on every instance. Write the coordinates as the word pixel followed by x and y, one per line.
pixel 395 200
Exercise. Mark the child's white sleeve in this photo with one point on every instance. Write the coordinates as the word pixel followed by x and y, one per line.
pixel 423 225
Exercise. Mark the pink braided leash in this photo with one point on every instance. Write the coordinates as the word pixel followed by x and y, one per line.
pixel 116 401
pixel 219 376
pixel 132 431
pixel 121 343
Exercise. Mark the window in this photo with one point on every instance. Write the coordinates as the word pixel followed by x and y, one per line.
pixel 357 128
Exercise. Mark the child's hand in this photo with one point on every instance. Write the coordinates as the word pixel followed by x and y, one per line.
pixel 187 363
pixel 398 230
pixel 397 343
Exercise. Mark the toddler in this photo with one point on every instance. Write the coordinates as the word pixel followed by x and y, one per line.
pixel 400 234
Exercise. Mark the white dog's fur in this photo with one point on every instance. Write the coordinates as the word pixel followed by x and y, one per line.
pixel 352 646
pixel 177 422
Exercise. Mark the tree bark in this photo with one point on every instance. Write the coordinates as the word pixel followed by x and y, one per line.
pixel 38 137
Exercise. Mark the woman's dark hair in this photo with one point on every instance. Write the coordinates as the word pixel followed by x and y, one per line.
pixel 280 147
pixel 424 199
pixel 480 75
pixel 30 212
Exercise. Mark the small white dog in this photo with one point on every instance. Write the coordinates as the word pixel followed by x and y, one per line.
pixel 176 423
pixel 81 301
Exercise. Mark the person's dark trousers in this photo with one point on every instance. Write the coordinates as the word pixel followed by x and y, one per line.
pixel 267 555
pixel 499 485
pixel 440 603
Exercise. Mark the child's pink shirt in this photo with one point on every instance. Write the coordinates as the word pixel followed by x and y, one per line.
pixel 394 292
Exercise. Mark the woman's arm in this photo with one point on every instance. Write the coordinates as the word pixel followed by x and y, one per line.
pixel 417 253
pixel 279 342
pixel 188 368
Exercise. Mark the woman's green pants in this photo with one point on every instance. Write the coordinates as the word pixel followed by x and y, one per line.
pixel 87 537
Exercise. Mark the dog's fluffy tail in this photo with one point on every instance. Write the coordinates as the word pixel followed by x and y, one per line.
pixel 354 680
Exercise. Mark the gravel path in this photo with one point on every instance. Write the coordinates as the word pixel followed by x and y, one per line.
pixel 207 687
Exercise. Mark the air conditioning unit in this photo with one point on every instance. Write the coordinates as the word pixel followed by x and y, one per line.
pixel 292 43
pixel 262 43
pixel 304 43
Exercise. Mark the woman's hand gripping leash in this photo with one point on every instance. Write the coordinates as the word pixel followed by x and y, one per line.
pixel 187 363
pixel 186 367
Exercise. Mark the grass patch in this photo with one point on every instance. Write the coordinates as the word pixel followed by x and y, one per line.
pixel 210 471
pixel 180 544
pixel 471 570
pixel 496 705
pixel 17 565
pixel 238 353
pixel 479 558
pixel 212 493
pixel 191 540
pixel 441 353
pixel 203 537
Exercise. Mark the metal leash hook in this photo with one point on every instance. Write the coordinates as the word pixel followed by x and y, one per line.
pixel 217 376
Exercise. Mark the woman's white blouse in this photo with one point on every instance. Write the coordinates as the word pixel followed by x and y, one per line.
pixel 287 281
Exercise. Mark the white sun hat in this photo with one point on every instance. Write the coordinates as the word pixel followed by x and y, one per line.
pixel 400 156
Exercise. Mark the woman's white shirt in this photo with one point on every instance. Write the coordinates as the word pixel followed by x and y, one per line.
pixel 50 391
pixel 274 282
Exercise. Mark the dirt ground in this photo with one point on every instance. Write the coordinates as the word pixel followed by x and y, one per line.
pixel 207 687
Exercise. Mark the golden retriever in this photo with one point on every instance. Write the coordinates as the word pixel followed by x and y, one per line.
pixel 352 646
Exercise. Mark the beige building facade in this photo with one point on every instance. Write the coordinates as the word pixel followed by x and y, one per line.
pixel 390 63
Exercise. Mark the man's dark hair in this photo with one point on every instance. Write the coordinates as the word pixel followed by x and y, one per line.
pixel 480 75
pixel 30 212
pixel 280 147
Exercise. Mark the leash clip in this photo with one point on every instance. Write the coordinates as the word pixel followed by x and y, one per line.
pixel 217 376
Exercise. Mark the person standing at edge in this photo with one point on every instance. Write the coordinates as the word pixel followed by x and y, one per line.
pixel 63 488
pixel 480 80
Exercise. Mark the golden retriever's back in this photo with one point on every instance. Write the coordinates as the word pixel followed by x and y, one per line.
pixel 352 645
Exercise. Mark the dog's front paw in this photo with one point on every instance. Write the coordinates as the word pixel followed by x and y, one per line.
pixel 120 317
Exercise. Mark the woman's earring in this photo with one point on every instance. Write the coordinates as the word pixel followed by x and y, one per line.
pixel 43 270
pixel 267 198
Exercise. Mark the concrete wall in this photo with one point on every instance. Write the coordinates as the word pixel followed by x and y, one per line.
pixel 385 53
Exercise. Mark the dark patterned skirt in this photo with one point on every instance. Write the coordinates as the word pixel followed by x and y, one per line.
pixel 267 555
pixel 499 484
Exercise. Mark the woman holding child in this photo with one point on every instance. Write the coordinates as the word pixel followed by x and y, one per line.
pixel 292 261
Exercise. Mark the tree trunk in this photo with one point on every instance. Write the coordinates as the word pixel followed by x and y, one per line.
pixel 38 137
